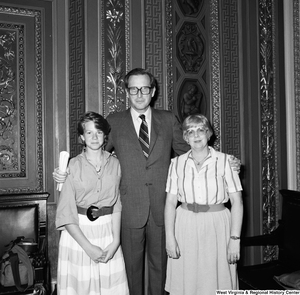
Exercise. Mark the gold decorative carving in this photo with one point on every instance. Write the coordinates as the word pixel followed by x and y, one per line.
pixel 268 122
pixel 114 79
pixel 169 54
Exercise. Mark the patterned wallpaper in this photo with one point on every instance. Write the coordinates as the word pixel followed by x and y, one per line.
pixel 76 71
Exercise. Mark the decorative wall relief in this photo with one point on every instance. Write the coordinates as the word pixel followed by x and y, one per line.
pixel 268 123
pixel 9 136
pixel 190 50
pixel 114 57
pixel 190 7
pixel 190 58
pixel 21 124
pixel 193 100
pixel 203 45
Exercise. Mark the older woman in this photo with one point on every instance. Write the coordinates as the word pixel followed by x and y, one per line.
pixel 202 235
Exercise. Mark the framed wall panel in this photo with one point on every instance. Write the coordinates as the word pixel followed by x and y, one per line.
pixel 23 95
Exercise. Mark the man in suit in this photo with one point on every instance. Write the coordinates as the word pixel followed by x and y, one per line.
pixel 143 180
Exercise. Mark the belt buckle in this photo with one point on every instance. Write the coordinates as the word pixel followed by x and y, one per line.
pixel 192 207
pixel 89 213
pixel 196 208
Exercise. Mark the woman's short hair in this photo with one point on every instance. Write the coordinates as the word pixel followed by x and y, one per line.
pixel 99 121
pixel 195 120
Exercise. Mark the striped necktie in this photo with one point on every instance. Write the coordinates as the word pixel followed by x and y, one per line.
pixel 144 136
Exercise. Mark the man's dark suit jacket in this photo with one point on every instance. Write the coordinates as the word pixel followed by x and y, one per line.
pixel 143 181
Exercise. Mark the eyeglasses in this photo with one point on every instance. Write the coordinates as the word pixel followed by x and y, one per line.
pixel 135 90
pixel 192 132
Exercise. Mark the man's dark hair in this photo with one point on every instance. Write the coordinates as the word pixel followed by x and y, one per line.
pixel 139 72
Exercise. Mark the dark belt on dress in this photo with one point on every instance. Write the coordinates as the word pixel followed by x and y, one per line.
pixel 94 212
pixel 196 208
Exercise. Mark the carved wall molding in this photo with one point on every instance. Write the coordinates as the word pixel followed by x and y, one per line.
pixel 188 53
pixel 296 36
pixel 115 24
pixel 169 55
pixel 191 45
pixel 114 53
pixel 215 73
pixel 270 187
pixel 222 106
pixel 11 107
pixel 21 131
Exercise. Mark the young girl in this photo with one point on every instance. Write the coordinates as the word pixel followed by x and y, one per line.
pixel 88 214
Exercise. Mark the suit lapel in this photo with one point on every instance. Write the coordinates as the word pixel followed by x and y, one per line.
pixel 128 122
pixel 155 128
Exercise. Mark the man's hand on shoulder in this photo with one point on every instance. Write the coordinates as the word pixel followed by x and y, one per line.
pixel 235 163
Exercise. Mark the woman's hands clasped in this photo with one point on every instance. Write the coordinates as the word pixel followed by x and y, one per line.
pixel 96 253
pixel 110 251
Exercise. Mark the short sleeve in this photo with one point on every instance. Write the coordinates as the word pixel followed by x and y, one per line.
pixel 66 212
pixel 172 180
pixel 232 178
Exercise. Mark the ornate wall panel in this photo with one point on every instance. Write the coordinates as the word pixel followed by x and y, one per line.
pixel 268 99
pixel 215 88
pixel 190 58
pixel 195 73
pixel 114 58
pixel 21 99
pixel 169 55
pixel 76 71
